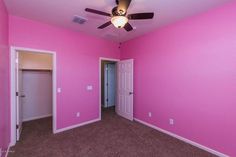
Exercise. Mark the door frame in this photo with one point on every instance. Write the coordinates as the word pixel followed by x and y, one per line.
pixel 100 84
pixel 13 51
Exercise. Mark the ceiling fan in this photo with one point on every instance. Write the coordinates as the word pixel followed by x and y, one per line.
pixel 119 17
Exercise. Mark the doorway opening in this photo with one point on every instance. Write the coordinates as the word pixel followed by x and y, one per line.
pixel 33 89
pixel 108 85
pixel 116 87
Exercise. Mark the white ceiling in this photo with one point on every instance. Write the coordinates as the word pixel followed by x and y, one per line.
pixel 61 12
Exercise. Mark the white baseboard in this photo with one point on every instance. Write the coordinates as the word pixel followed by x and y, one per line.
pixel 8 148
pixel 183 139
pixel 38 117
pixel 6 153
pixel 77 125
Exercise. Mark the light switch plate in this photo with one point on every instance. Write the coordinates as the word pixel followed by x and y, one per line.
pixel 58 90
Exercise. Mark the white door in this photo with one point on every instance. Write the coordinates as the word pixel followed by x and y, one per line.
pixel 19 97
pixel 124 106
pixel 110 84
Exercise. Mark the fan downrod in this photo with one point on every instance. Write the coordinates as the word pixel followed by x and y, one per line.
pixel 117 2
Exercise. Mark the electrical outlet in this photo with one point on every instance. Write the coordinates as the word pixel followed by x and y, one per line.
pixel 171 121
pixel 149 114
pixel 89 87
pixel 78 114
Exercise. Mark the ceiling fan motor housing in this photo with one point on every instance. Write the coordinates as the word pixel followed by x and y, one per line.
pixel 115 12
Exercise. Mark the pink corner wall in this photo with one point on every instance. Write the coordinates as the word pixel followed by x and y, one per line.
pixel 187 71
pixel 4 77
pixel 77 65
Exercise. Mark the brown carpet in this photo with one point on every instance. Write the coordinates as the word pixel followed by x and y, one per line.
pixel 111 137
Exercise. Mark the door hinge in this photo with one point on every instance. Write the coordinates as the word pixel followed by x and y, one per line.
pixel 17 93
pixel 107 100
pixel 17 126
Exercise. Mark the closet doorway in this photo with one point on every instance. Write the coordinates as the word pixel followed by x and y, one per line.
pixel 33 90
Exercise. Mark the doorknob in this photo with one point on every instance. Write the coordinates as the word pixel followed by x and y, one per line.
pixel 22 96
pixel 131 93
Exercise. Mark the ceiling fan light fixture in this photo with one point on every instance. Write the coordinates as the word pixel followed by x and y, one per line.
pixel 119 21
pixel 119 16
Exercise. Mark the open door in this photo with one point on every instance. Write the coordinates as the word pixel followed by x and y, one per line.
pixel 125 89
pixel 19 96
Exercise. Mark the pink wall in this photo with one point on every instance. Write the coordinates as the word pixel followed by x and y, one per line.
pixel 77 65
pixel 187 71
pixel 4 78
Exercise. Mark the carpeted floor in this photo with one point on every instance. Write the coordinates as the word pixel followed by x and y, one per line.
pixel 111 137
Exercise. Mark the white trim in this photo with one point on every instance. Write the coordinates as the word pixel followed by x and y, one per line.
pixel 8 149
pixel 182 139
pixel 13 109
pixel 37 117
pixel 77 125
pixel 100 85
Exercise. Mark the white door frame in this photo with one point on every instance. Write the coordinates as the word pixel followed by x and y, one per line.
pixel 13 52
pixel 100 85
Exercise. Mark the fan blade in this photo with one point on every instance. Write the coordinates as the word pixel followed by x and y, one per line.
pixel 128 27
pixel 140 16
pixel 123 6
pixel 97 12
pixel 105 25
